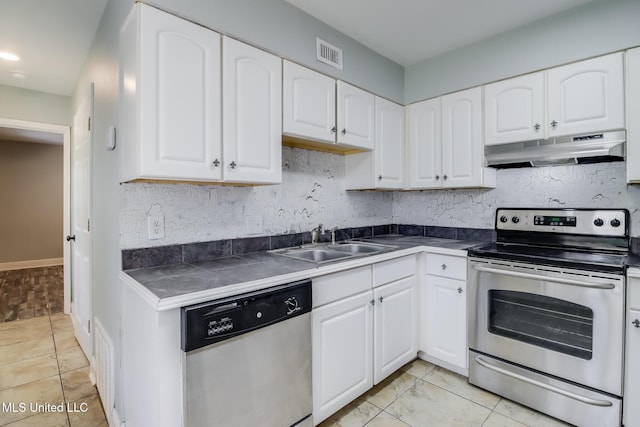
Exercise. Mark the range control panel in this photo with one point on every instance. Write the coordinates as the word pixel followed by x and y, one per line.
pixel 599 222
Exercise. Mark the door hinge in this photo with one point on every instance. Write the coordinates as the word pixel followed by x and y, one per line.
pixel 89 124
pixel 89 326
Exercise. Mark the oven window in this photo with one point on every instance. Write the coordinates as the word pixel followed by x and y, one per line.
pixel 543 321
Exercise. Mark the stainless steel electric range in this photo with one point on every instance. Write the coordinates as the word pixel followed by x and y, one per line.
pixel 546 319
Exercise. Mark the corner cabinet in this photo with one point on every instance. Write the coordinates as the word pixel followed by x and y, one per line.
pixel 382 168
pixel 631 409
pixel 252 119
pixel 633 113
pixel 446 148
pixel 444 338
pixel 172 94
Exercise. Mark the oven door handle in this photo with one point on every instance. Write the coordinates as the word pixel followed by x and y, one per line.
pixel 594 402
pixel 546 278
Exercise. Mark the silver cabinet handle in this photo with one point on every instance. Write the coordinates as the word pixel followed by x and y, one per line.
pixel 232 165
pixel 480 361
pixel 459 290
pixel 554 124
pixel 545 278
pixel 636 323
pixel 216 163
pixel 443 266
pixel 536 126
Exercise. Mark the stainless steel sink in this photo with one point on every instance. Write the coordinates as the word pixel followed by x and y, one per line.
pixel 332 252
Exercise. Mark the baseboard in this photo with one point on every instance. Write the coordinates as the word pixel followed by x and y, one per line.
pixel 114 420
pixel 20 265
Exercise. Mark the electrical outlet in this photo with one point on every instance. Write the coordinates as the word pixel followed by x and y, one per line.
pixel 155 225
pixel 254 224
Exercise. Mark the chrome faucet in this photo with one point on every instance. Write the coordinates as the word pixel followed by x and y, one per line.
pixel 315 233
pixel 333 235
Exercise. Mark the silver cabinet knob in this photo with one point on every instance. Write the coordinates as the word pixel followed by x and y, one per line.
pixel 536 126
pixel 554 124
pixel 459 290
pixel 445 177
pixel 373 302
pixel 216 163
pixel 636 323
pixel 232 165
pixel 334 130
pixel 379 177
pixel 381 299
pixel 444 266
pixel 437 177
pixel 344 131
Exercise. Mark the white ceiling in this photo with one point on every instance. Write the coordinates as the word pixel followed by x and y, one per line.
pixel 410 31
pixel 52 38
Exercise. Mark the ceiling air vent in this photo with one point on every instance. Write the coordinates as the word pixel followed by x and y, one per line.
pixel 328 53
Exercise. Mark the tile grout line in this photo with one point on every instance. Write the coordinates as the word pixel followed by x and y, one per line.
pixel 55 348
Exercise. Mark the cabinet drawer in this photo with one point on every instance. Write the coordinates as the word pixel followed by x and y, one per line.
pixel 453 267
pixel 633 293
pixel 392 270
pixel 335 286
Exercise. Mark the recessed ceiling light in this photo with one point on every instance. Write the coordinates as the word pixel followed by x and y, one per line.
pixel 9 56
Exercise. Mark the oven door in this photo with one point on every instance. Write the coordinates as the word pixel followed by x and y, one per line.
pixel 566 323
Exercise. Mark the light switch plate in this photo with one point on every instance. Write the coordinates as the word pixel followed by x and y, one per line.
pixel 155 225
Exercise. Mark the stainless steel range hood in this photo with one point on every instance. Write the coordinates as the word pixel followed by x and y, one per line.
pixel 590 148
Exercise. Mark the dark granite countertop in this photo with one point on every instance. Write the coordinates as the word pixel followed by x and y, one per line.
pixel 633 260
pixel 177 280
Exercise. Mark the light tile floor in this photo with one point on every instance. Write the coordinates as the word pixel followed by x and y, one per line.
pixel 42 364
pixel 424 395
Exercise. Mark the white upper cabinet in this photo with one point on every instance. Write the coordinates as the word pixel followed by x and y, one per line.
pixel 309 104
pixel 382 168
pixel 424 128
pixel 170 98
pixel 252 118
pixel 356 110
pixel 586 96
pixel 514 110
pixel 633 113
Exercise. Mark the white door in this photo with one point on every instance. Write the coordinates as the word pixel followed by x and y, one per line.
pixel 342 353
pixel 179 98
pixel 425 144
pixel 395 323
pixel 308 104
pixel 586 96
pixel 633 112
pixel 462 147
pixel 81 225
pixel 514 110
pixel 252 119
pixel 389 149
pixel 446 332
pixel 356 110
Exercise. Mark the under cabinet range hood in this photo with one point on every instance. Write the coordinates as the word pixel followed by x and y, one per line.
pixel 568 150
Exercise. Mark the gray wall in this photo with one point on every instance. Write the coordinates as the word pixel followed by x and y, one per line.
pixel 32 199
pixel 285 30
pixel 594 29
pixel 24 104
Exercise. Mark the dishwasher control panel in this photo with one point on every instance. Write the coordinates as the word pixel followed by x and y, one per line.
pixel 215 321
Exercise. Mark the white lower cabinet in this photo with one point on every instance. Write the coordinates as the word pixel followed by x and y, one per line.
pixel 445 312
pixel 361 338
pixel 631 410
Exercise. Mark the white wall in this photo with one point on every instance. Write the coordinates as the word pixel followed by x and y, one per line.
pixel 601 185
pixel 594 29
pixel 24 104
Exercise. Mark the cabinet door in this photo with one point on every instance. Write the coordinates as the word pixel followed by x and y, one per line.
pixel 446 329
pixel 586 96
pixel 425 144
pixel 462 147
pixel 632 369
pixel 308 104
pixel 252 119
pixel 342 353
pixel 355 117
pixel 395 323
pixel 633 112
pixel 389 148
pixel 514 110
pixel 179 98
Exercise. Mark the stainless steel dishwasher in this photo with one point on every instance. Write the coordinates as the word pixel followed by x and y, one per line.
pixel 247 359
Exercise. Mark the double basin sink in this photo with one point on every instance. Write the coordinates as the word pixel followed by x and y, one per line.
pixel 321 253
